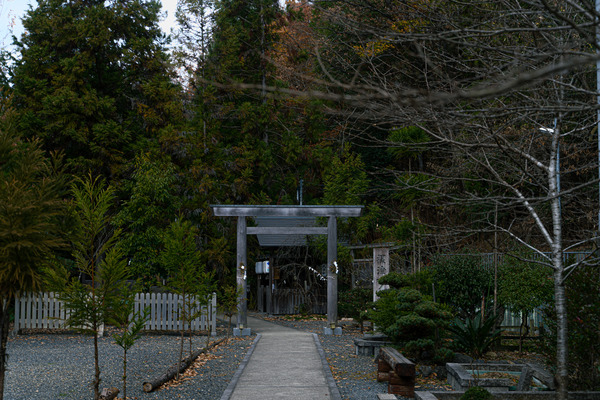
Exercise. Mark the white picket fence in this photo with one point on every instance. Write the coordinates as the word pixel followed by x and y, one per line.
pixel 45 311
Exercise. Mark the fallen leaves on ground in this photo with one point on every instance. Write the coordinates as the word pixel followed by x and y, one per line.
pixel 196 367
pixel 192 371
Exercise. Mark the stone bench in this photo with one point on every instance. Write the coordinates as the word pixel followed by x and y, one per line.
pixel 397 371
pixel 369 345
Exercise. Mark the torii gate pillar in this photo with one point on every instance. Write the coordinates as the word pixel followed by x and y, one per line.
pixel 242 273
pixel 332 273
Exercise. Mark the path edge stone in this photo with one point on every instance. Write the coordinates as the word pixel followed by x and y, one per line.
pixel 333 389
pixel 238 373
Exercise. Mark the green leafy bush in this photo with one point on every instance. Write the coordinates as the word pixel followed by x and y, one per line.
pixel 476 393
pixel 411 320
pixel 464 295
pixel 395 280
pixel 443 355
pixel 524 287
pixel 419 345
pixel 354 301
pixel 474 335
pixel 583 313
pixel 412 327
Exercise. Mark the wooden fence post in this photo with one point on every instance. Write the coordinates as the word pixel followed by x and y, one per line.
pixel 213 315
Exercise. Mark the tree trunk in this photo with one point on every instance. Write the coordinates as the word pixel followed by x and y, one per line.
pixel 523 329
pixel 207 332
pixel 4 325
pixel 229 329
pixel 561 337
pixel 124 374
pixel 182 320
pixel 96 364
pixel 190 335
pixel 110 394
pixel 562 376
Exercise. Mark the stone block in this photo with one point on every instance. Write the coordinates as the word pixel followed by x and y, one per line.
pixel 524 384
pixel 335 331
pixel 237 332
pixel 425 396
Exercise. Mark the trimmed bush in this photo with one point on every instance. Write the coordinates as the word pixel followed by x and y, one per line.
pixel 476 393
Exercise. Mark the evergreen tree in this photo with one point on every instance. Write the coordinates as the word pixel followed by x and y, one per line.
pixel 187 277
pixel 94 81
pixel 97 257
pixel 30 229
pixel 129 323
pixel 144 217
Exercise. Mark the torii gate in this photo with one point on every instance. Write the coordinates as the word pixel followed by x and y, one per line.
pixel 331 212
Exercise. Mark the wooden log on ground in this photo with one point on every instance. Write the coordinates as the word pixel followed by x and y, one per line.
pixel 402 374
pixel 400 364
pixel 383 376
pixel 383 371
pixel 109 394
pixel 172 372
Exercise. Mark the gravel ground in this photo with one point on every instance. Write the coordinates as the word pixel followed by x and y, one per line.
pixel 61 366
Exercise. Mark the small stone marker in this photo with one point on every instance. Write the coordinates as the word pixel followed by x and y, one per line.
pixel 381 267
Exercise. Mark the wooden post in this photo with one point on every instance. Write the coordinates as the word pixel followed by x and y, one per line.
pixel 242 270
pixel 213 315
pixel 332 272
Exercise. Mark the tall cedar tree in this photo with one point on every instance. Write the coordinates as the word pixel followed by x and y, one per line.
pixel 241 119
pixel 30 211
pixel 145 216
pixel 94 81
pixel 240 146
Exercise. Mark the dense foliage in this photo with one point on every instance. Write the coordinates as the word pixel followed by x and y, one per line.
pixel 476 393
pixel 456 124
pixel 410 319
pixel 354 302
pixel 31 223
pixel 583 303
pixel 523 287
pixel 466 296
pixel 93 81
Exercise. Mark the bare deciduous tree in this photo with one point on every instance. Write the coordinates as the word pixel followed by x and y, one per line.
pixel 505 94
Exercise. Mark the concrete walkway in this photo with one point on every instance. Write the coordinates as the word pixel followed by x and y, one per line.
pixel 284 364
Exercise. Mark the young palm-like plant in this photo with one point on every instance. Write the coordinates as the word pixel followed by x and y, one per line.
pixel 130 324
pixel 474 335
pixel 228 303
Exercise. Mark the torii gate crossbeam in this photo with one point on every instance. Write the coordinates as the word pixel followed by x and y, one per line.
pixel 331 212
